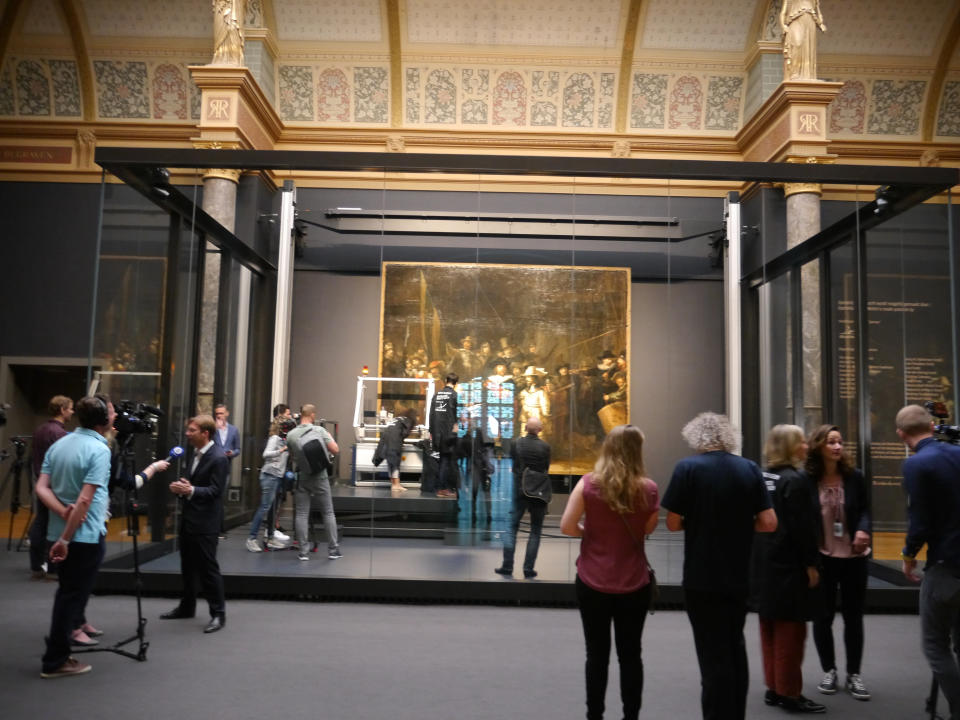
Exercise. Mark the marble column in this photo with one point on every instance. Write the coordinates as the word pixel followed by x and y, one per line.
pixel 220 202
pixel 803 222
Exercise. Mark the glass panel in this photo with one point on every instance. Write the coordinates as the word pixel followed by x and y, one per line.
pixel 495 269
pixel 911 360
pixel 844 359
pixel 776 353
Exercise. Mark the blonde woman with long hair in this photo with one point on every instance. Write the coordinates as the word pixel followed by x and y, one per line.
pixel 612 509
pixel 787 570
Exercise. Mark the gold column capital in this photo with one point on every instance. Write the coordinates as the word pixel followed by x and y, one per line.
pixel 797 188
pixel 223 173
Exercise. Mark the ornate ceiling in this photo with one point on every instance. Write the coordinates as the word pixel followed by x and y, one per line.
pixel 668 71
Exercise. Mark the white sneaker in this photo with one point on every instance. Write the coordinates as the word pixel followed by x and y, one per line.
pixel 278 535
pixel 253 545
pixel 276 543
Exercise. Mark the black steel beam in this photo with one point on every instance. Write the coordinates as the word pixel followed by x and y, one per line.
pixel 868 175
pixel 864 219
pixel 137 176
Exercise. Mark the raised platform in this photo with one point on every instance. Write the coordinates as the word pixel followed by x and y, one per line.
pixel 455 569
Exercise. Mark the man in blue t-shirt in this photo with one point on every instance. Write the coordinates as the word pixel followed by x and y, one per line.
pixel 73 485
pixel 719 500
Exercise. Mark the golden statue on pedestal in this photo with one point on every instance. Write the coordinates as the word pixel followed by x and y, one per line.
pixel 799 20
pixel 228 32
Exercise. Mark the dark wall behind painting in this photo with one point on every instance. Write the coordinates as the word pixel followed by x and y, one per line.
pixel 47 258
pixel 676 355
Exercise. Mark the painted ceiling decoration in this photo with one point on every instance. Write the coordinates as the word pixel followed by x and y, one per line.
pixel 644 68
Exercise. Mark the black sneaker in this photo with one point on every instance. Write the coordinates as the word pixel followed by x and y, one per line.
pixel 772 698
pixel 828 686
pixel 856 687
pixel 335 554
pixel 801 705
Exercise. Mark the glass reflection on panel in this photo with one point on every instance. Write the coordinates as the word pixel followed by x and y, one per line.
pixel 811 346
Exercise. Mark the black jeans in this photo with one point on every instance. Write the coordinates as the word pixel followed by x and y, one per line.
pixel 628 612
pixel 77 575
pixel 849 575
pixel 447 472
pixel 717 621
pixel 537 510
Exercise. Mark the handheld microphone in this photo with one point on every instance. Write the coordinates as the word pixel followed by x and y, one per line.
pixel 175 452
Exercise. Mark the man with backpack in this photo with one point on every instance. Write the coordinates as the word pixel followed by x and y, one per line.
pixel 311 448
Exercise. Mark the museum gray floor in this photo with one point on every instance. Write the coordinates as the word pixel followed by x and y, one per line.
pixel 334 661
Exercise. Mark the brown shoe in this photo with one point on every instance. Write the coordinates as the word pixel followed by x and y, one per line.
pixel 71 667
pixel 79 638
pixel 446 494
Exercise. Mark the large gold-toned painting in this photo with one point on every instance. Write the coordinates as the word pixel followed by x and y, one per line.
pixel 550 341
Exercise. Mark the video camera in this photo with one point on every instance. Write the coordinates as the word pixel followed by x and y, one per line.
pixel 135 418
pixel 944 432
pixel 286 425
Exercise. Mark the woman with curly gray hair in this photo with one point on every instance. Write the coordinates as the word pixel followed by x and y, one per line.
pixel 719 500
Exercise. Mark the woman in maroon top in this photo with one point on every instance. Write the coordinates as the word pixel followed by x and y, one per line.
pixel 612 509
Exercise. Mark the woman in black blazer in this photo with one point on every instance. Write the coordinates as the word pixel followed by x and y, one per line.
pixel 787 570
pixel 843 507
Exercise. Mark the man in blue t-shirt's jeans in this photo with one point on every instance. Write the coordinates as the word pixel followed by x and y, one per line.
pixel 719 500
pixel 931 478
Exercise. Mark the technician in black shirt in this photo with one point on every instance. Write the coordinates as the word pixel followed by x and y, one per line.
pixel 443 434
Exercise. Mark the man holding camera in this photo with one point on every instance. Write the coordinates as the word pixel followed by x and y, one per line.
pixel 306 442
pixel 933 510
pixel 201 503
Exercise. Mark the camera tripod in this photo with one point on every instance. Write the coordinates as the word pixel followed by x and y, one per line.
pixel 123 477
pixel 15 475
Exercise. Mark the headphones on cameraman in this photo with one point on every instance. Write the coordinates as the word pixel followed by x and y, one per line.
pixel 102 416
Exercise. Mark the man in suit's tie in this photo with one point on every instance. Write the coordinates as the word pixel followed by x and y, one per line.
pixel 201 502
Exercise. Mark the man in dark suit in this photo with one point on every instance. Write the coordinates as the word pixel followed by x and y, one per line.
pixel 227 439
pixel 201 503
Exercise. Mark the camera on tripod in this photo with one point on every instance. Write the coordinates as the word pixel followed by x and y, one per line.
pixel 944 432
pixel 135 418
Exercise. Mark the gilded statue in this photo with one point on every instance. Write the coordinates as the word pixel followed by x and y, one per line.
pixel 228 32
pixel 799 20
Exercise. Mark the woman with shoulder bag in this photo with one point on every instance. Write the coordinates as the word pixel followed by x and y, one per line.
pixel 611 510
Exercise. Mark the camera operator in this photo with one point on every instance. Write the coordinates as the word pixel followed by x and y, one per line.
pixel 60 408
pixel 933 509
pixel 73 486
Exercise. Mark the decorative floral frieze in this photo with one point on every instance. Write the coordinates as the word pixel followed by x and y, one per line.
pixel 121 89
pixel 33 88
pixel 66 88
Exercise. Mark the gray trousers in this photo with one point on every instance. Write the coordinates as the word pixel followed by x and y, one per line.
pixel 304 495
pixel 939 617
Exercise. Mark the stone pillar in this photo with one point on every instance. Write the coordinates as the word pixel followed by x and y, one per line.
pixel 220 202
pixel 803 222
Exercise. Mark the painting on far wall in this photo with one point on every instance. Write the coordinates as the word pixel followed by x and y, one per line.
pixel 544 341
